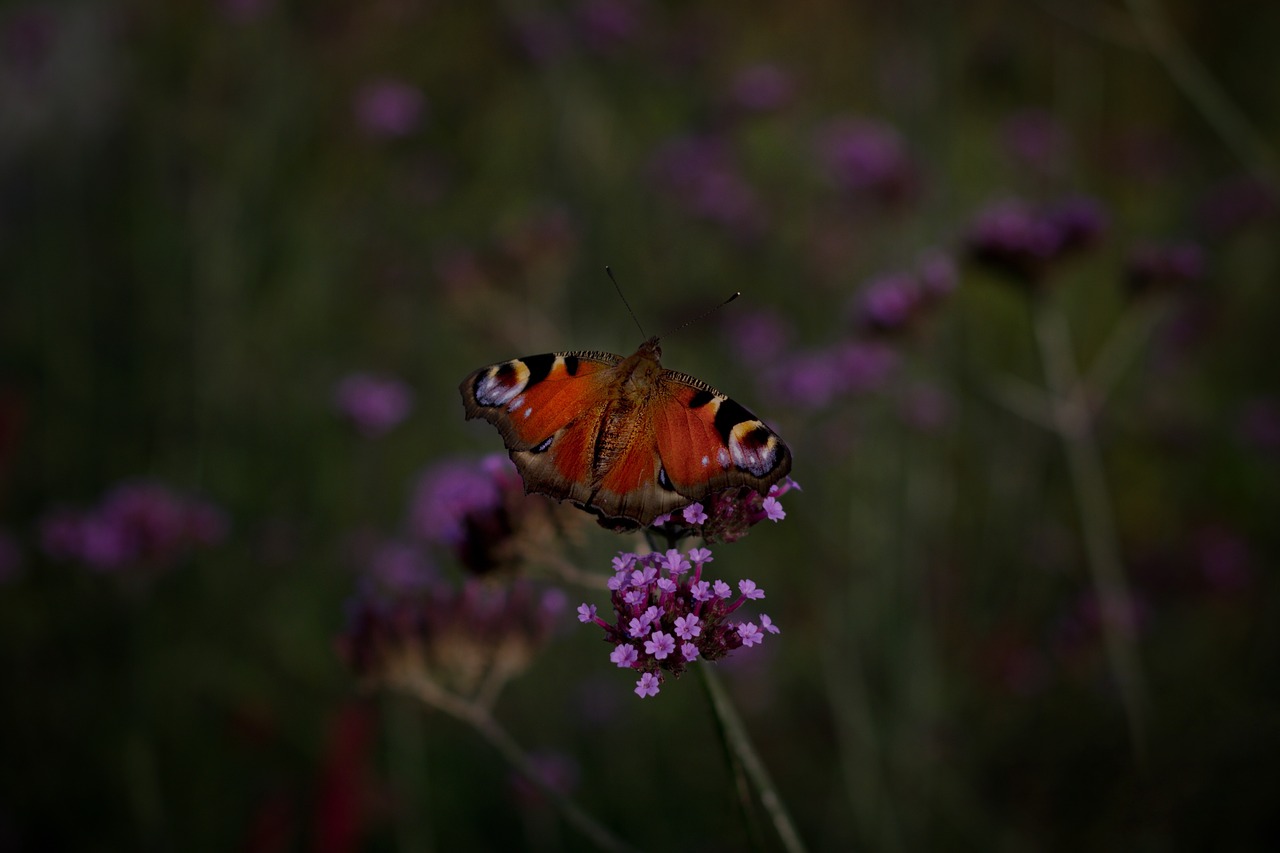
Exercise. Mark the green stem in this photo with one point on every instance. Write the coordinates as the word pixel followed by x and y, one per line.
pixel 1073 425
pixel 484 723
pixel 735 734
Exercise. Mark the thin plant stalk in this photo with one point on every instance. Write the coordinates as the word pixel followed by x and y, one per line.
pixel 734 732
pixel 484 723
pixel 1073 423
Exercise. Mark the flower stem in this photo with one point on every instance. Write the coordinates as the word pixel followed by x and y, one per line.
pixel 488 727
pixel 1073 423
pixel 734 732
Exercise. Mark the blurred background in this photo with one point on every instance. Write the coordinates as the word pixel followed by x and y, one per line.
pixel 1010 278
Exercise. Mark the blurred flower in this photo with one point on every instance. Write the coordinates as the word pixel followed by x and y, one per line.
pixel 866 157
pixel 1259 423
pixel 1155 267
pixel 606 25
pixel 938 274
pixel 887 303
pixel 480 512
pixel 389 108
pixel 467 641
pixel 556 770
pixel 815 379
pixel 1023 242
pixel 728 515
pixel 666 616
pixel 373 404
pixel 1036 140
pixel 139 523
pixel 10 557
pixel 700 172
pixel 763 87
pixel 1237 204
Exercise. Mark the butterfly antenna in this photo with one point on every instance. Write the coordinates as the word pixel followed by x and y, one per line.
pixel 623 296
pixel 705 314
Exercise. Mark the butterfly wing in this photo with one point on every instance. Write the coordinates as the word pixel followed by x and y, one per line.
pixel 549 409
pixel 708 443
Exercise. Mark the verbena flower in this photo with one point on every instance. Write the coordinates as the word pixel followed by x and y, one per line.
pixel 467 640
pixel 137 523
pixel 1023 242
pixel 373 404
pixel 867 158
pixel 478 510
pixel 763 87
pixel 701 173
pixel 725 517
pixel 667 627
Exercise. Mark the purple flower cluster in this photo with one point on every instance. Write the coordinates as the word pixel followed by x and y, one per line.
pixel 727 516
pixel 462 639
pixel 891 302
pixel 666 616
pixel 867 158
pixel 137 523
pixel 373 404
pixel 1023 242
pixel 700 172
pixel 389 108
pixel 478 509
pixel 1155 267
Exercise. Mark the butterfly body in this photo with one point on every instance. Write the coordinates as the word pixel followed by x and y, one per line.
pixel 622 437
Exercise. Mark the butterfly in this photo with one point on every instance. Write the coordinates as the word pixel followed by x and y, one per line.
pixel 623 438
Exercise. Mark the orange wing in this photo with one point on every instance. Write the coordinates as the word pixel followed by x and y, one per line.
pixel 549 409
pixel 622 437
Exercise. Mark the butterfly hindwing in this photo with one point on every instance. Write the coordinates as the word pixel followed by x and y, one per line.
pixel 708 442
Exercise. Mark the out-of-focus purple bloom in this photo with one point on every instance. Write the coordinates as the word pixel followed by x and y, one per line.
pixel 1155 267
pixel 817 378
pixel 1259 424
pixel 868 158
pixel 450 491
pixel 389 108
pixel 762 88
pixel 138 523
pixel 700 172
pixel 373 404
pixel 864 366
pixel 938 275
pixel 1021 241
pixel 1237 204
pixel 1036 140
pixel 10 557
pixel 888 302
pixel 606 25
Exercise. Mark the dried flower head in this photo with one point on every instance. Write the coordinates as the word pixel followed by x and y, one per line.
pixel 666 616
pixel 467 641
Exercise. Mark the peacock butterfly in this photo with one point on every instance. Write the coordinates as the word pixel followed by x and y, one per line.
pixel 623 438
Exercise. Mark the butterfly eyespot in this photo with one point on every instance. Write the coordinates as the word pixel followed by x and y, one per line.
pixel 501 384
pixel 544 445
pixel 754 447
